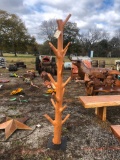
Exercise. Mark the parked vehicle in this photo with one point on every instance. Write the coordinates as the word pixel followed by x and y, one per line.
pixel 67 65
pixel 46 63
pixel 117 63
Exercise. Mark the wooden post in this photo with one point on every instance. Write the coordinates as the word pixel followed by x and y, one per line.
pixel 101 113
pixel 59 84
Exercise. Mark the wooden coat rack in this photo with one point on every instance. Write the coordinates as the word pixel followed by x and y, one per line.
pixel 60 87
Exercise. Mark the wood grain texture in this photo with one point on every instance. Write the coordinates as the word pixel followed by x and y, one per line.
pixel 100 101
pixel 116 130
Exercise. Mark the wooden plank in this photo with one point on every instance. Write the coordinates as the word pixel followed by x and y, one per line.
pixel 100 101
pixel 116 130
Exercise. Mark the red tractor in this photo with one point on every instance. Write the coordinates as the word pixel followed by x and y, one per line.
pixel 46 63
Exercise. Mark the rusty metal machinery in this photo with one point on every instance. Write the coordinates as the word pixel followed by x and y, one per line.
pixel 46 63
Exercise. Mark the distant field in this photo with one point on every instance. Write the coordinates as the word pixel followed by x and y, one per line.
pixel 10 58
pixel 108 61
pixel 30 59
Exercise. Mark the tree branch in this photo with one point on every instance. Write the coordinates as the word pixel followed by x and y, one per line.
pixel 66 19
pixel 63 121
pixel 66 48
pixel 49 119
pixel 54 49
pixel 64 84
pixel 56 98
pixel 52 80
pixel 63 108
pixel 53 103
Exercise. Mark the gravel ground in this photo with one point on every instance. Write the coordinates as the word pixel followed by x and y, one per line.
pixel 88 138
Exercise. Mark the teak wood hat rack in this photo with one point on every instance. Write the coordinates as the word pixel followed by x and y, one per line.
pixel 57 142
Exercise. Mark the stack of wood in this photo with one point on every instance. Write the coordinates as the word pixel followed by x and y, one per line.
pixel 98 79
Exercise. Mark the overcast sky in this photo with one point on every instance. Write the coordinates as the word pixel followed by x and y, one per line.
pixel 86 13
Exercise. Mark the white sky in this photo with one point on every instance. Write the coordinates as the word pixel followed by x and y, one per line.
pixel 104 14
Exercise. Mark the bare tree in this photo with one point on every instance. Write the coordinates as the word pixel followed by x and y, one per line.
pixel 90 37
pixel 47 29
pixel 117 33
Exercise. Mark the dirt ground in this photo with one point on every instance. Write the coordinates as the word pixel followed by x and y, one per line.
pixel 88 138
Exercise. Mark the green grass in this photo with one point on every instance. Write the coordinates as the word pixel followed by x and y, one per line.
pixel 26 58
pixel 30 59
pixel 18 55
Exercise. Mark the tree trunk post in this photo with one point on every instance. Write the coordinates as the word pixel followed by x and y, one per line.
pixel 60 88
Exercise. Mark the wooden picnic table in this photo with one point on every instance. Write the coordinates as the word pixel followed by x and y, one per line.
pixel 100 103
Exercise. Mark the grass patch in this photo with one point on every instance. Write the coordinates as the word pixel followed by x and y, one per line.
pixel 26 58
pixel 30 59
pixel 18 55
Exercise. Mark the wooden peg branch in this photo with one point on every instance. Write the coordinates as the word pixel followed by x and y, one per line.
pixel 63 121
pixel 54 49
pixel 56 98
pixel 64 84
pixel 53 103
pixel 52 80
pixel 66 19
pixel 49 119
pixel 66 48
pixel 64 52
pixel 63 108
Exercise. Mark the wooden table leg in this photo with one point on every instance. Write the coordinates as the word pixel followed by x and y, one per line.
pixel 101 113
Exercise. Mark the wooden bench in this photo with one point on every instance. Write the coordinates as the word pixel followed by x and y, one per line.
pixel 100 103
pixel 116 130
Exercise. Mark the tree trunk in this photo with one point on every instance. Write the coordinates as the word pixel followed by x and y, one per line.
pixel 1 53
